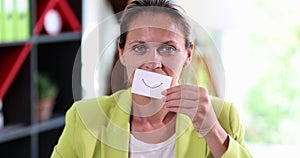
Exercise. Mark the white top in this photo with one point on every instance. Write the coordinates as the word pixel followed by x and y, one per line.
pixel 139 149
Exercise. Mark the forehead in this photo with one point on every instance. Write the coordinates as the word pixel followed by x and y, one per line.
pixel 161 21
pixel 151 34
pixel 150 26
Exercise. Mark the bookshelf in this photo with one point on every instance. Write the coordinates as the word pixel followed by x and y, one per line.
pixel 20 63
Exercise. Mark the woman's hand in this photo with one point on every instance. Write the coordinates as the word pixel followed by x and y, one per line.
pixel 194 102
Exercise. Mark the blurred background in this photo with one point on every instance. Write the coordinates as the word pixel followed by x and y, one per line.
pixel 61 52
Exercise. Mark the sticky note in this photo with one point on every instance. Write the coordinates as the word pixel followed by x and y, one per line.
pixel 150 84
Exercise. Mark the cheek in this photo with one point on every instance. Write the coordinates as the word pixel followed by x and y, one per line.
pixel 131 63
pixel 174 65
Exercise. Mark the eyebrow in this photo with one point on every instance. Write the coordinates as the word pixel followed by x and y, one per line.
pixel 137 41
pixel 142 42
pixel 170 42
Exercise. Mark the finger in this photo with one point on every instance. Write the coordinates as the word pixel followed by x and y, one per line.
pixel 186 88
pixel 187 104
pixel 181 88
pixel 189 95
pixel 191 112
pixel 182 103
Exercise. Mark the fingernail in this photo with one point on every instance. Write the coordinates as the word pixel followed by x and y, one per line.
pixel 164 92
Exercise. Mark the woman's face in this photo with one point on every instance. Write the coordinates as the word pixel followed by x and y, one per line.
pixel 155 43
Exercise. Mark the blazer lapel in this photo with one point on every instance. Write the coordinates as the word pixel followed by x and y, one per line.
pixel 188 143
pixel 108 121
pixel 115 136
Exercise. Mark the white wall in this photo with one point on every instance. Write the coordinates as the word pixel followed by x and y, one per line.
pixel 99 29
pixel 214 14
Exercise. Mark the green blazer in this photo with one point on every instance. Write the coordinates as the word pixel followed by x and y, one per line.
pixel 100 128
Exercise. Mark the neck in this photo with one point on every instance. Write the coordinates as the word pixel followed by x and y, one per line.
pixel 150 121
pixel 150 112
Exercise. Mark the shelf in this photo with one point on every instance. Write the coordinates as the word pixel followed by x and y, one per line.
pixel 12 44
pixel 63 37
pixel 41 39
pixel 18 131
pixel 50 124
pixel 20 64
pixel 12 132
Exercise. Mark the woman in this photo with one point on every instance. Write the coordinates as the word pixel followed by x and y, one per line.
pixel 185 122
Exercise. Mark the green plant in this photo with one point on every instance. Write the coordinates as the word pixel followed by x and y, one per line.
pixel 46 87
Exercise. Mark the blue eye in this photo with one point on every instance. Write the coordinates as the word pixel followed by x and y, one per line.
pixel 139 48
pixel 167 50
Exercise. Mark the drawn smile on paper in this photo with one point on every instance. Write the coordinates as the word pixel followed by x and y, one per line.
pixel 154 86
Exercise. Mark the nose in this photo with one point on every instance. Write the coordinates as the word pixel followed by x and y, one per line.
pixel 153 60
pixel 150 66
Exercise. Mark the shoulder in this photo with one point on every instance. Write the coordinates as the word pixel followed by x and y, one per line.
pixel 89 110
pixel 106 103
pixel 86 110
pixel 94 102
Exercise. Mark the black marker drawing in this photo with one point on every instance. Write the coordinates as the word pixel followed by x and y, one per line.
pixel 155 86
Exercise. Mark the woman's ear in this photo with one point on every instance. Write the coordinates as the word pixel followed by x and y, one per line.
pixel 190 50
pixel 121 53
